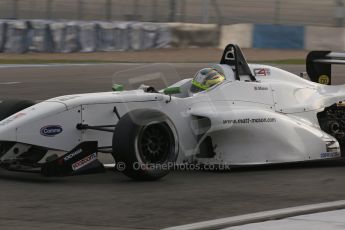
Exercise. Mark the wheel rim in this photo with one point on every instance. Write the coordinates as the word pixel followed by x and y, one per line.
pixel 155 143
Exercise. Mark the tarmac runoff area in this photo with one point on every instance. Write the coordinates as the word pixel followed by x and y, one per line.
pixel 112 201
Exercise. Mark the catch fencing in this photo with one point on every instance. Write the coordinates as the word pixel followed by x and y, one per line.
pixel 292 12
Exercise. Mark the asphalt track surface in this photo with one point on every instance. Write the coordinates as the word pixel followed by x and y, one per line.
pixel 112 201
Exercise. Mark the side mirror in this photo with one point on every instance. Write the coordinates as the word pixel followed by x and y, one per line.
pixel 117 87
pixel 172 90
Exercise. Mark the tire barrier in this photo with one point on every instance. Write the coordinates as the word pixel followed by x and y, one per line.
pixel 194 35
pixel 39 38
pixel 88 36
pixel 17 37
pixel 20 36
pixel 113 36
pixel 2 35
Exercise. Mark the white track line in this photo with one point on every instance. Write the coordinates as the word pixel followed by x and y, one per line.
pixel 262 216
pixel 38 65
pixel 10 83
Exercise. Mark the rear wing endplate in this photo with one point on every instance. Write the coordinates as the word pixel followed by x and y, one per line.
pixel 319 65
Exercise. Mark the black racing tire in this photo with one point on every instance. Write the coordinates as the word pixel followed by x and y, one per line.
pixel 9 107
pixel 145 138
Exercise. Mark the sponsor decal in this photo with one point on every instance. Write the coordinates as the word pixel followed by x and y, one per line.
pixel 72 155
pixel 330 155
pixel 324 79
pixel 250 120
pixel 262 72
pixel 260 88
pixel 12 118
pixel 83 162
pixel 51 130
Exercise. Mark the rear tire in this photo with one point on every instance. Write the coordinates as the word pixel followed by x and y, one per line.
pixel 145 142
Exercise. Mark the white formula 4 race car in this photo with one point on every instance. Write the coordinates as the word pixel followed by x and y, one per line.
pixel 258 115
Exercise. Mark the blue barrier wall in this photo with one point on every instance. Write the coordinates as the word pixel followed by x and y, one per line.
pixel 278 36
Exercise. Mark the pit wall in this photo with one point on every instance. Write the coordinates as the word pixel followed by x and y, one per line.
pixel 21 36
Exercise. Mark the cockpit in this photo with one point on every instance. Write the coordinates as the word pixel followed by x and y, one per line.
pixel 233 67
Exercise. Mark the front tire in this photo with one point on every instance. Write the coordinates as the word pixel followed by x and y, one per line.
pixel 8 107
pixel 145 142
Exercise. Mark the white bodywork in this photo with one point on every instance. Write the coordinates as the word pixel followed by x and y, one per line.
pixel 273 120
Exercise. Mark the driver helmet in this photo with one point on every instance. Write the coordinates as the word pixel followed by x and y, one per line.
pixel 205 79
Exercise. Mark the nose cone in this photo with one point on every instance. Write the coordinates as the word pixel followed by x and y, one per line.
pixel 10 125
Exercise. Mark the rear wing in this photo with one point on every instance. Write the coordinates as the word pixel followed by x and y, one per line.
pixel 319 65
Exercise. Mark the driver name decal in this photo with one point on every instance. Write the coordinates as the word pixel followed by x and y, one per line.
pixel 260 88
